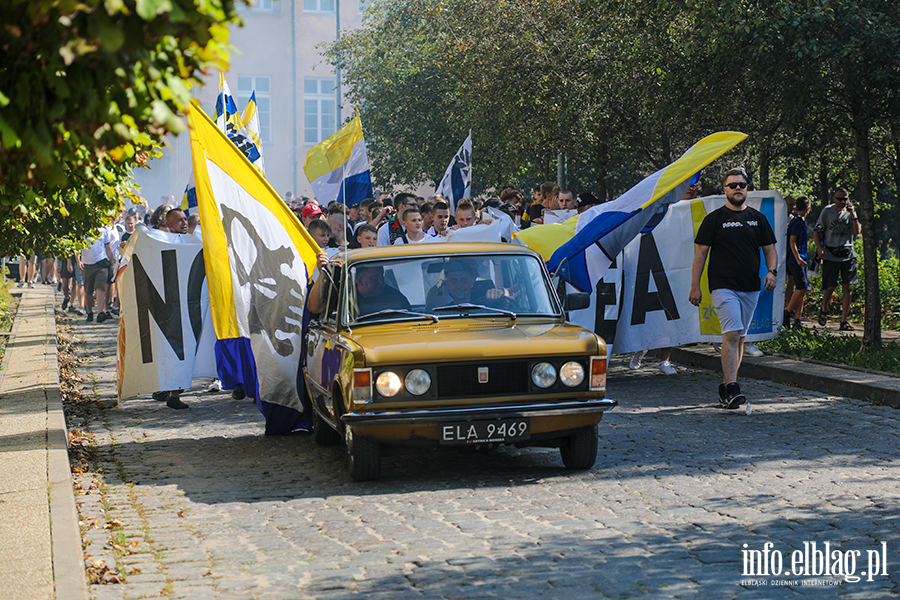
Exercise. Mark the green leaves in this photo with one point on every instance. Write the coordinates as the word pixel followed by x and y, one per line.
pixel 149 9
pixel 87 89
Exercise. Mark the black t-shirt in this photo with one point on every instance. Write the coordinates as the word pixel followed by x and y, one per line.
pixel 536 211
pixel 734 238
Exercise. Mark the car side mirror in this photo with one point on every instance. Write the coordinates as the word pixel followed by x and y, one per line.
pixel 576 301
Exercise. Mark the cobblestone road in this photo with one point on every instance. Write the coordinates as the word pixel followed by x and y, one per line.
pixel 199 504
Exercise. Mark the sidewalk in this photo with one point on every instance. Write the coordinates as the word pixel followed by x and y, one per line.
pixel 40 543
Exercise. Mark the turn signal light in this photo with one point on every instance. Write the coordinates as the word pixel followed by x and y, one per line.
pixel 598 373
pixel 362 385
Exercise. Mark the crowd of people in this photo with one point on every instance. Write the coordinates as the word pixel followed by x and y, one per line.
pixel 87 279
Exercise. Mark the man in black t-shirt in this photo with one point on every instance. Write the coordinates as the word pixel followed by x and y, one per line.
pixel 735 233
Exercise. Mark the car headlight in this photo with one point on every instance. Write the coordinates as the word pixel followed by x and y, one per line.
pixel 543 375
pixel 417 382
pixel 388 384
pixel 571 374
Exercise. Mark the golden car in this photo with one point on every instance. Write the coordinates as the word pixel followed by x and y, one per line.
pixel 450 344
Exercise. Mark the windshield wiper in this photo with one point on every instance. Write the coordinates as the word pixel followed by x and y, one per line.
pixel 397 311
pixel 469 305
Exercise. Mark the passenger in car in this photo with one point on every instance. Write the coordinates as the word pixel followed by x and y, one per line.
pixel 373 294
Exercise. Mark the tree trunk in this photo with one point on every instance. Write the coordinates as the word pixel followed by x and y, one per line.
pixel 764 160
pixel 895 138
pixel 824 184
pixel 872 325
pixel 602 171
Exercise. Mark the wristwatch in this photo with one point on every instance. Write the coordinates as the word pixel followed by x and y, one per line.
pixel 774 272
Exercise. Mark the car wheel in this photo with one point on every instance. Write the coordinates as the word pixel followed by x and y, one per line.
pixel 365 456
pixel 322 431
pixel 579 452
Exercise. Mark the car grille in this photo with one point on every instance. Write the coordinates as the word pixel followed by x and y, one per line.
pixel 461 381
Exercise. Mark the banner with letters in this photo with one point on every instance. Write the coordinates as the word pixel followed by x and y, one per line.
pixel 650 289
pixel 165 334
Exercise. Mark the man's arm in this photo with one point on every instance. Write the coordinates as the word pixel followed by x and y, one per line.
pixel 854 219
pixel 795 251
pixel 817 238
pixel 771 263
pixel 696 272
pixel 314 297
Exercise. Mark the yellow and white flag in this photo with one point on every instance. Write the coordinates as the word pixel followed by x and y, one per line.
pixel 258 263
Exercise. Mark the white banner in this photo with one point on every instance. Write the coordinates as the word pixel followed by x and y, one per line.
pixel 164 339
pixel 650 290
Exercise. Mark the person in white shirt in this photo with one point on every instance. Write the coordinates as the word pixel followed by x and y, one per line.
pixel 390 231
pixel 441 219
pixel 412 223
pixel 95 263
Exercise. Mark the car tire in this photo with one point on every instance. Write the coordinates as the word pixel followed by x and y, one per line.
pixel 579 452
pixel 323 434
pixel 364 455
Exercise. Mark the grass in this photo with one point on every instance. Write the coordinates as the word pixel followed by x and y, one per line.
pixel 7 312
pixel 841 349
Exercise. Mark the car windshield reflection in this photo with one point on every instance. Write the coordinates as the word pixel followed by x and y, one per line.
pixel 455 286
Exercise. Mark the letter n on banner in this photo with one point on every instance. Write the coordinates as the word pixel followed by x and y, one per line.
pixel 166 313
pixel 709 319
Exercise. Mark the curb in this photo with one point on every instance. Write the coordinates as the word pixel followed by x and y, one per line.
pixel 817 376
pixel 65 535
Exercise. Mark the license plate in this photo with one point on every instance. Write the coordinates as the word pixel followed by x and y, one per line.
pixel 483 432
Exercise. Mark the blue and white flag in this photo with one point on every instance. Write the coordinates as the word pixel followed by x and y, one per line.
pixel 457 181
pixel 603 231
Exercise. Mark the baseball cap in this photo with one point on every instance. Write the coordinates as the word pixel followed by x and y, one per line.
pixel 311 210
pixel 587 199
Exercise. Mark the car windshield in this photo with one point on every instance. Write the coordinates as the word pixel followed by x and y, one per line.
pixel 503 285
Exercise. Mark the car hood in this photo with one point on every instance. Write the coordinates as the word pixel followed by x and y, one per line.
pixel 449 341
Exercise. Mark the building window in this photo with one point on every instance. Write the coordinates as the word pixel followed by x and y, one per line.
pixel 246 86
pixel 322 6
pixel 268 6
pixel 319 109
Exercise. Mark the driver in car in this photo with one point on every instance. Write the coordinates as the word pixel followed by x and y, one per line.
pixel 373 294
pixel 459 287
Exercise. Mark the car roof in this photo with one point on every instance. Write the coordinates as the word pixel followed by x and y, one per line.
pixel 432 250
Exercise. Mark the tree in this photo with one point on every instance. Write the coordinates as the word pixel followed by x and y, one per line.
pixel 88 90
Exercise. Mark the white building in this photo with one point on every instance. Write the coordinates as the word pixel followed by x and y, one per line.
pixel 296 91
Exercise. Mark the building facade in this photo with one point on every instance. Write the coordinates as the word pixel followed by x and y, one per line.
pixel 277 55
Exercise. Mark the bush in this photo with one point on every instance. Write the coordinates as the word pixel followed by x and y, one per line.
pixel 888 284
pixel 842 349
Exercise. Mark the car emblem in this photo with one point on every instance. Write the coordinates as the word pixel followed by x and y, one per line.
pixel 482 374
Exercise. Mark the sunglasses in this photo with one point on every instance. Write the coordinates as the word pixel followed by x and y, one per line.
pixel 736 184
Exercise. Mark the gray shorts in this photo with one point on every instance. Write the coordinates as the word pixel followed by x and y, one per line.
pixel 95 276
pixel 735 309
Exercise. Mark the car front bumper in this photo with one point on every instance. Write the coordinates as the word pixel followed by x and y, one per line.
pixel 414 417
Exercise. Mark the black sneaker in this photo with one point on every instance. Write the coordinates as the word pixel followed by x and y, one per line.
pixel 733 396
pixel 90 317
pixel 176 403
pixel 65 304
pixel 104 316
pixel 238 393
pixel 160 396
